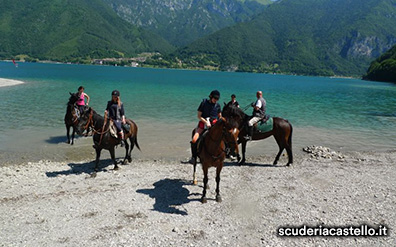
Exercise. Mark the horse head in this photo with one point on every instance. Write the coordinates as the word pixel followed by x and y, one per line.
pixel 230 135
pixel 73 98
pixel 85 120
pixel 234 115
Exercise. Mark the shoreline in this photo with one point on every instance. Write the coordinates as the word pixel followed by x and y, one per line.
pixel 9 82
pixel 154 203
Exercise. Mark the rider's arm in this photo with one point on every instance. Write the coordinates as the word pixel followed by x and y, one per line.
pixel 86 96
pixel 258 105
pixel 203 119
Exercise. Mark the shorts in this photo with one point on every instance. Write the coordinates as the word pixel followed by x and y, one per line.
pixel 202 125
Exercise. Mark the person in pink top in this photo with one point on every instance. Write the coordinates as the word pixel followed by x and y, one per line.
pixel 81 99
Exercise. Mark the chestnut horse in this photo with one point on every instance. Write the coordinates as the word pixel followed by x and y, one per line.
pixel 103 139
pixel 213 152
pixel 71 117
pixel 282 132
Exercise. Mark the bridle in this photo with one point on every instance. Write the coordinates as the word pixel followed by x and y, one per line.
pixel 227 144
pixel 90 123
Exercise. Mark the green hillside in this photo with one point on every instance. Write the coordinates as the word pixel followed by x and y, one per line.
pixel 65 30
pixel 314 37
pixel 383 68
pixel 182 21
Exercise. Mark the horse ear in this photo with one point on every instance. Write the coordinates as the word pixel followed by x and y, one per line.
pixel 70 93
pixel 224 103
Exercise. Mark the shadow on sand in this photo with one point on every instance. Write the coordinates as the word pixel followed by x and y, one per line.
pixel 169 195
pixel 85 168
pixel 57 139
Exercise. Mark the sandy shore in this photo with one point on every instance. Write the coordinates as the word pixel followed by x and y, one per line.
pixel 153 203
pixel 9 82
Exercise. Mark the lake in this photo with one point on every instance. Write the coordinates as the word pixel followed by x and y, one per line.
pixel 343 114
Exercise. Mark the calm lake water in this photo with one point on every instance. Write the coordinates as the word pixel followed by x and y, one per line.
pixel 344 114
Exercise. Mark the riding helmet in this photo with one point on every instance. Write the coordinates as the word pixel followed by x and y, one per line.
pixel 116 93
pixel 215 94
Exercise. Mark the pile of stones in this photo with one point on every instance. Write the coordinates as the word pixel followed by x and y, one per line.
pixel 319 152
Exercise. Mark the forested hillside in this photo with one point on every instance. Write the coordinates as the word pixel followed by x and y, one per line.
pixel 315 37
pixel 183 21
pixel 69 30
pixel 383 68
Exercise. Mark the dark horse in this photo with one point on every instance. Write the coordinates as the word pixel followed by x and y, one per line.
pixel 282 132
pixel 102 137
pixel 213 152
pixel 71 117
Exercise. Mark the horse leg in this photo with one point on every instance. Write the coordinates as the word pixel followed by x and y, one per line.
pixel 218 170
pixel 98 150
pixel 112 154
pixel 73 132
pixel 242 162
pixel 195 182
pixel 126 151
pixel 205 181
pixel 67 133
pixel 289 148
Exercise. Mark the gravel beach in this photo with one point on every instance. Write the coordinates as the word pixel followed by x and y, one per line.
pixel 153 202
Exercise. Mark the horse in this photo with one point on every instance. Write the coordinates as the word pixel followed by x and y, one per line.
pixel 71 117
pixel 102 137
pixel 282 132
pixel 213 152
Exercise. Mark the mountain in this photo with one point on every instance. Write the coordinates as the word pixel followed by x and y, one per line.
pixel 183 21
pixel 383 68
pixel 315 37
pixel 68 29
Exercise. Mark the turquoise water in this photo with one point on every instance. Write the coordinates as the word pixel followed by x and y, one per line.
pixel 163 102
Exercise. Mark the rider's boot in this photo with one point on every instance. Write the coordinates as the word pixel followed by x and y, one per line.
pixel 248 136
pixel 194 152
pixel 121 136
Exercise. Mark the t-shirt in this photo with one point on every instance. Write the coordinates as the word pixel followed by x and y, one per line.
pixel 115 111
pixel 209 109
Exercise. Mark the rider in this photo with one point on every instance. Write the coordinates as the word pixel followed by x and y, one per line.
pixel 233 101
pixel 259 109
pixel 115 111
pixel 81 99
pixel 209 111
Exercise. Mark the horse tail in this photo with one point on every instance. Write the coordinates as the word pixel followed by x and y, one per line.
pixel 289 141
pixel 136 143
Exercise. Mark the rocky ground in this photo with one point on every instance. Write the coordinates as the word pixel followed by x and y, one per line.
pixel 153 203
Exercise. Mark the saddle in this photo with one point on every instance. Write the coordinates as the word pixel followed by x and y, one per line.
pixel 264 125
pixel 113 129
pixel 200 141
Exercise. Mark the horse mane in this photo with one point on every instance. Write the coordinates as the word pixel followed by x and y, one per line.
pixel 233 111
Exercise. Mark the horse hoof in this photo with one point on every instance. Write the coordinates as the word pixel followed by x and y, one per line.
pixel 116 168
pixel 93 175
pixel 195 182
pixel 218 198
pixel 129 160
pixel 289 164
pixel 204 200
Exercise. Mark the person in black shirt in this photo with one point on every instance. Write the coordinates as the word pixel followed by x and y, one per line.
pixel 115 111
pixel 209 111
pixel 233 101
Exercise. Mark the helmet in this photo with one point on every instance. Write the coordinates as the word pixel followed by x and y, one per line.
pixel 116 93
pixel 215 94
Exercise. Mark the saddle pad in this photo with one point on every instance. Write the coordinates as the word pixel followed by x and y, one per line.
pixel 265 127
pixel 113 130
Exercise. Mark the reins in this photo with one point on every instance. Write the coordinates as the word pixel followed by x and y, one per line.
pixel 218 141
pixel 90 122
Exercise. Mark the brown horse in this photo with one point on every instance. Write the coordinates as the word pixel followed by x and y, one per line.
pixel 102 137
pixel 282 132
pixel 213 152
pixel 71 117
